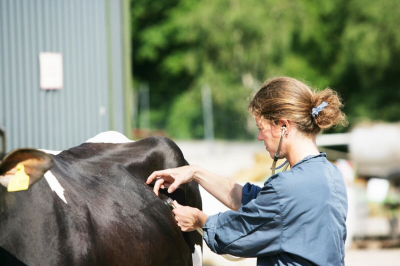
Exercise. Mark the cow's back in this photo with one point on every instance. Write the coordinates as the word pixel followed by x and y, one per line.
pixel 111 216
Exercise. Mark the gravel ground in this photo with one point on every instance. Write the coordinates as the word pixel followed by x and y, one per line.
pixel 380 257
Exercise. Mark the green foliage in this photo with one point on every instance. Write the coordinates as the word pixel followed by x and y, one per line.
pixel 368 68
pixel 232 46
pixel 185 120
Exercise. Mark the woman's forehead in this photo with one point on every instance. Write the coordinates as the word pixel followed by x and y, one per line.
pixel 260 121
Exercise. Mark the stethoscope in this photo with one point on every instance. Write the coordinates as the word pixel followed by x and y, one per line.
pixel 169 201
pixel 276 156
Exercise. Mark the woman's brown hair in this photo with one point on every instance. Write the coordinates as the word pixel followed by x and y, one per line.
pixel 285 97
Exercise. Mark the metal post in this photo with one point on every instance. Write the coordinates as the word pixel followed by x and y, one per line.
pixel 144 105
pixel 207 113
pixel 109 67
pixel 128 89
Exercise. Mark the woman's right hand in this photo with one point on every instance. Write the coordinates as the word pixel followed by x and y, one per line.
pixel 171 178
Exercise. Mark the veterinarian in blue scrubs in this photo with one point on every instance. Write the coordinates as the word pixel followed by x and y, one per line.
pixel 298 217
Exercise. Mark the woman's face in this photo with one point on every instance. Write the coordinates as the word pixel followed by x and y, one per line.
pixel 267 133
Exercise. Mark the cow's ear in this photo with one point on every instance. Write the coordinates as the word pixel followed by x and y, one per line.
pixel 35 163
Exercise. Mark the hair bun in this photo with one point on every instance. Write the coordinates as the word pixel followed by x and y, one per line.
pixel 330 115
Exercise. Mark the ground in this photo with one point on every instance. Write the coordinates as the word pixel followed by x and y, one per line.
pixel 381 257
pixel 388 257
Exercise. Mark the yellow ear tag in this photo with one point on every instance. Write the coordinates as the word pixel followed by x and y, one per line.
pixel 20 181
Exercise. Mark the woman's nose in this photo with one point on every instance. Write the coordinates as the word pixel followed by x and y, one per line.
pixel 259 136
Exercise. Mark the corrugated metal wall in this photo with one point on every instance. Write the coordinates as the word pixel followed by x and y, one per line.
pixel 93 80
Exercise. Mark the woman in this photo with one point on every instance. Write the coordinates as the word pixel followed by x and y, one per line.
pixel 298 217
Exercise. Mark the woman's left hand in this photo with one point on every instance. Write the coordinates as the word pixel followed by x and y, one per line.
pixel 189 218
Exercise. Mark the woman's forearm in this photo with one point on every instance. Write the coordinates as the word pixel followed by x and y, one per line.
pixel 225 190
pixel 201 219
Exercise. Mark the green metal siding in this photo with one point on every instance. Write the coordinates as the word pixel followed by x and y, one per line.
pixel 59 119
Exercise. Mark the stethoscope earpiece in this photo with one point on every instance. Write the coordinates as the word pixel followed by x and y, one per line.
pixel 276 157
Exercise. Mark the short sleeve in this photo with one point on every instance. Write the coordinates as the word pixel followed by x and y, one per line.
pixel 252 231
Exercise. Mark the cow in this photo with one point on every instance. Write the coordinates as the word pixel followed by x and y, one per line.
pixel 94 208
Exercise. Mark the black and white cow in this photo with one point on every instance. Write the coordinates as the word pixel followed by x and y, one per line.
pixel 94 208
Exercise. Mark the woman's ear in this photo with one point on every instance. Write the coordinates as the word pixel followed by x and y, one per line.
pixel 282 124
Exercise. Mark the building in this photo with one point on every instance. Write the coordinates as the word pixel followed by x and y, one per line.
pixel 65 71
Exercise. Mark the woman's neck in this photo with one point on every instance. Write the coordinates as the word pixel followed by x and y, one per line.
pixel 299 147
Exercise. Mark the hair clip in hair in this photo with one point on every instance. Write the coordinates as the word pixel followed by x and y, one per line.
pixel 319 108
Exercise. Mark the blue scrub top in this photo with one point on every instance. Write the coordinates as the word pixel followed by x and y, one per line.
pixel 297 218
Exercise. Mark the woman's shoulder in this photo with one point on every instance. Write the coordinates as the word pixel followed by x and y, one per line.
pixel 310 173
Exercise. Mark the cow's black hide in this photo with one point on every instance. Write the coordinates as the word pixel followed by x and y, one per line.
pixel 112 216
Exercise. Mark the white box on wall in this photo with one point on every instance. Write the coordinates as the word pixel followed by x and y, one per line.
pixel 51 71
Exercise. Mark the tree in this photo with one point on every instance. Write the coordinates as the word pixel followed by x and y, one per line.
pixel 232 46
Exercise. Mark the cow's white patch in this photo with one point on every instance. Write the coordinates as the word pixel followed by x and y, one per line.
pixel 232 258
pixel 109 137
pixel 50 152
pixel 55 185
pixel 197 256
